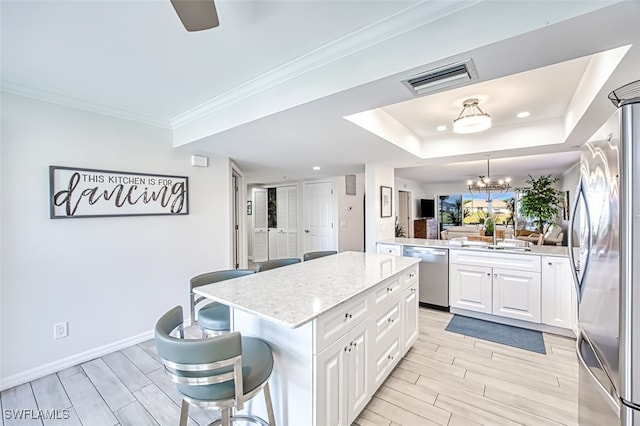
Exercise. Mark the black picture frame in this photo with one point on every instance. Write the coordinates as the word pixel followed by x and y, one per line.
pixel 85 193
pixel 386 201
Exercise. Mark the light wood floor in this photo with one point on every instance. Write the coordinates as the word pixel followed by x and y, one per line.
pixel 445 379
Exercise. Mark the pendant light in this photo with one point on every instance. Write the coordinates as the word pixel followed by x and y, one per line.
pixel 471 119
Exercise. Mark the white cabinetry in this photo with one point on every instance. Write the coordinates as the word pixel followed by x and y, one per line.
pixel 516 294
pixel 387 329
pixel 410 310
pixel 387 248
pixel 358 343
pixel 470 287
pixel 506 285
pixel 343 378
pixel 558 293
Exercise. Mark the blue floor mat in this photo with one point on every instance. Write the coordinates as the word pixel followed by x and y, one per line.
pixel 517 337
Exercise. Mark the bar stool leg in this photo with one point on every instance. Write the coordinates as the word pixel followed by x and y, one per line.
pixel 267 400
pixel 226 417
pixel 184 413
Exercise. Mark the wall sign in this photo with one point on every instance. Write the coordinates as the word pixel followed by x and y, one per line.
pixel 98 193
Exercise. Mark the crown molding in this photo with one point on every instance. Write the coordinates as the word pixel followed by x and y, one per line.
pixel 70 101
pixel 390 27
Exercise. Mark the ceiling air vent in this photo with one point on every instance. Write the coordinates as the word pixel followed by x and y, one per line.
pixel 441 78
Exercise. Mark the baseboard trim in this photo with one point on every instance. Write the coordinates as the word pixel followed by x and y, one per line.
pixel 514 322
pixel 54 367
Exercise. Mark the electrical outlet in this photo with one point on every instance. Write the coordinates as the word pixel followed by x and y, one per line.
pixel 60 330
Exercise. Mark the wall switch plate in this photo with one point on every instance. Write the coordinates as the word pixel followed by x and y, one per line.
pixel 199 161
pixel 60 330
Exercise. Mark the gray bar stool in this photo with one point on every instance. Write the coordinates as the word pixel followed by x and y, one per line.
pixel 276 263
pixel 222 372
pixel 213 318
pixel 316 254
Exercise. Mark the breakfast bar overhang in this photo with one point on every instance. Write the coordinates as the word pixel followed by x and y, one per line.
pixel 337 326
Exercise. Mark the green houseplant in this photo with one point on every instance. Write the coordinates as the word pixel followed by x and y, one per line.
pixel 489 226
pixel 541 201
pixel 399 229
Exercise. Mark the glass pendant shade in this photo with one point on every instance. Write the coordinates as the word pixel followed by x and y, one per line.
pixel 471 119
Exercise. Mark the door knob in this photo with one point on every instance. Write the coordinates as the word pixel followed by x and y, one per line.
pixel 306 230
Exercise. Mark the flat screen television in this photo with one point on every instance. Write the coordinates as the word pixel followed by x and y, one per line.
pixel 427 208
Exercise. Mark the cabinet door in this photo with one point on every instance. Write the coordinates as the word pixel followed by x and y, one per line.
pixel 331 384
pixel 470 287
pixel 385 356
pixel 357 367
pixel 516 294
pixel 557 295
pixel 409 316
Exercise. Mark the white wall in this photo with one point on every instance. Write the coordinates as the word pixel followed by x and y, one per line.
pixel 110 278
pixel 350 214
pixel 377 228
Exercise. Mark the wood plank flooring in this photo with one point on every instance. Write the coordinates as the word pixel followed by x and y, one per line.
pixel 445 379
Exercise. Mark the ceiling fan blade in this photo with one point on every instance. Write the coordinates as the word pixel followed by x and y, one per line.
pixel 196 15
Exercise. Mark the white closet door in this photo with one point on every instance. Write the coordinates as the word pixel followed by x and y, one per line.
pixel 287 218
pixel 260 233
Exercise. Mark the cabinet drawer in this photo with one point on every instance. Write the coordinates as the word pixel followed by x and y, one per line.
pixel 394 249
pixel 388 290
pixel 387 322
pixel 339 321
pixel 385 358
pixel 410 277
pixel 519 262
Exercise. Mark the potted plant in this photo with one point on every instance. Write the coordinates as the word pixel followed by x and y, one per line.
pixel 399 229
pixel 541 201
pixel 489 226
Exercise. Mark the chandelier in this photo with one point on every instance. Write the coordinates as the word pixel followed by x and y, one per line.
pixel 471 119
pixel 485 185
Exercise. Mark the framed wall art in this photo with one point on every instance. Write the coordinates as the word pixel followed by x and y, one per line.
pixel 385 201
pixel 78 193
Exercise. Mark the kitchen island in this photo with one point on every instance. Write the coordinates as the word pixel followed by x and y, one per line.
pixel 337 326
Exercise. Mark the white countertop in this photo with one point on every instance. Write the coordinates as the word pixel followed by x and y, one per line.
pixel 296 294
pixel 537 250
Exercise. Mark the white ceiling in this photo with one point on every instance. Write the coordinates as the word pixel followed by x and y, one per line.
pixel 270 86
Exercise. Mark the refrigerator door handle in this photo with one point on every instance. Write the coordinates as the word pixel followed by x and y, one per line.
pixel 574 269
pixel 611 401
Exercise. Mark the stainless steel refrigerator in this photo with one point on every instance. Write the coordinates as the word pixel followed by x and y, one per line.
pixel 607 274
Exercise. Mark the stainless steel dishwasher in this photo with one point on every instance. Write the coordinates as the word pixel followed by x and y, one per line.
pixel 434 274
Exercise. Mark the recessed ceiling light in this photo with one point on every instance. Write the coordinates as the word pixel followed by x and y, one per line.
pixel 441 128
pixel 523 114
pixel 316 167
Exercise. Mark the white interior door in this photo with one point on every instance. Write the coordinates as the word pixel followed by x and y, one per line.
pixel 404 212
pixel 287 218
pixel 260 234
pixel 318 216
